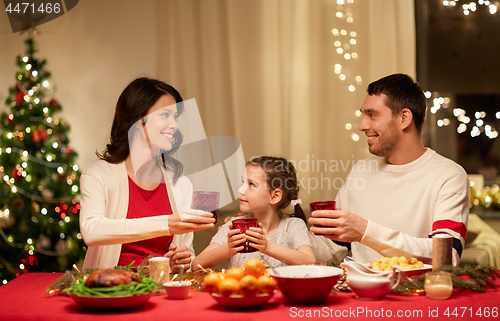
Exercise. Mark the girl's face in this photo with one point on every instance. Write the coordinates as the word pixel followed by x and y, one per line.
pixel 254 193
pixel 161 123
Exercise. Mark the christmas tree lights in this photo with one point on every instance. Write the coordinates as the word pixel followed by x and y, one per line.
pixel 39 229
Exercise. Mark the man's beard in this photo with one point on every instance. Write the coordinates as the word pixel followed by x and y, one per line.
pixel 387 145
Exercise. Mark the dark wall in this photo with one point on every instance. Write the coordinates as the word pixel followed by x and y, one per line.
pixel 457 53
pixel 458 56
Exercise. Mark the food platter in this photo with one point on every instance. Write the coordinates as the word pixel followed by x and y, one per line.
pixel 111 302
pixel 410 272
pixel 242 302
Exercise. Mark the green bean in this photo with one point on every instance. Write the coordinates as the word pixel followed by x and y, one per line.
pixel 134 288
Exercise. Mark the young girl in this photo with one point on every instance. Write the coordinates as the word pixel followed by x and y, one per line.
pixel 269 186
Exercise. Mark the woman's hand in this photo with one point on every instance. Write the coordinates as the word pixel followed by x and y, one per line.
pixel 190 220
pixel 256 238
pixel 235 240
pixel 178 255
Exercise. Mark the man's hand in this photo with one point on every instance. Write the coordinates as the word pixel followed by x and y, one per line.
pixel 338 225
pixel 178 255
pixel 190 220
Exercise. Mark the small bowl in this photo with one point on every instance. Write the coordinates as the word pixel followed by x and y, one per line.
pixel 177 290
pixel 306 284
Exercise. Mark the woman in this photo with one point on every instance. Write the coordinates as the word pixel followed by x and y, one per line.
pixel 135 202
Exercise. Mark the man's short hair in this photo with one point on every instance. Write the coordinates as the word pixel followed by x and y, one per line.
pixel 402 92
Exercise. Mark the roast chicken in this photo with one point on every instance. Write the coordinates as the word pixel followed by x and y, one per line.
pixel 110 278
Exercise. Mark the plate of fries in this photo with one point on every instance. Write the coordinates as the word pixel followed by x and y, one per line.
pixel 411 267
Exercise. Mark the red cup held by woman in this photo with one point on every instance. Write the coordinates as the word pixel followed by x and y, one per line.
pixel 207 201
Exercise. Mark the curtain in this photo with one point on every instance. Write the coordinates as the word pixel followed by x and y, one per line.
pixel 267 72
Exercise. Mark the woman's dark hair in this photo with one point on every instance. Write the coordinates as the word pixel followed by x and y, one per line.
pixel 133 104
pixel 402 92
pixel 281 174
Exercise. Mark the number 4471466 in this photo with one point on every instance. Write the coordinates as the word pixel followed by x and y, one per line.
pixel 27 7
pixel 461 312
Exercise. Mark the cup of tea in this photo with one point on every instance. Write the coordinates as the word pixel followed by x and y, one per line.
pixel 321 206
pixel 244 224
pixel 207 201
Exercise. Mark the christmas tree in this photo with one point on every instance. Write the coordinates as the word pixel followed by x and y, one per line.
pixel 39 229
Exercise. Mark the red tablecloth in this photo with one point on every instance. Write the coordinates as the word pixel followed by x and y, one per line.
pixel 25 298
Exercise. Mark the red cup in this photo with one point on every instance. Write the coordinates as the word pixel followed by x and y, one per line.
pixel 244 224
pixel 320 206
pixel 207 201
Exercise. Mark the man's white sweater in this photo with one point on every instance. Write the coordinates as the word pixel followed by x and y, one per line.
pixel 406 204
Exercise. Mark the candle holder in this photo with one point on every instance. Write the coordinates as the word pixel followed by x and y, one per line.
pixel 438 285
pixel 159 269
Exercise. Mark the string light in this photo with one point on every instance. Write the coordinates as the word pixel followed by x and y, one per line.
pixel 472 6
pixel 345 44
pixel 480 125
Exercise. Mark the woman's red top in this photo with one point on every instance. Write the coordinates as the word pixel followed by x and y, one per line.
pixel 146 203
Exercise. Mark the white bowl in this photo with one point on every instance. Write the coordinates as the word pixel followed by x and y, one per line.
pixel 177 290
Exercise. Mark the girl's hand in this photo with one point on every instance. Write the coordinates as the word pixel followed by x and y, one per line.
pixel 235 240
pixel 178 255
pixel 256 238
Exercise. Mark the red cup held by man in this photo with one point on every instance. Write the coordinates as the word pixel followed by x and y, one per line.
pixel 322 206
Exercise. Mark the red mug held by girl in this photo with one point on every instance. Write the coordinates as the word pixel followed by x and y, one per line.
pixel 244 224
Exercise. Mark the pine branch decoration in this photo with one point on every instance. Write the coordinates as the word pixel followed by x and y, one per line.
pixel 469 278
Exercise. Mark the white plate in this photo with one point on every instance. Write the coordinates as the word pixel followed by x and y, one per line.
pixel 411 272
pixel 111 302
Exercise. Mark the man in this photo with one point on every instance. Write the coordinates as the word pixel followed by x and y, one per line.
pixel 409 194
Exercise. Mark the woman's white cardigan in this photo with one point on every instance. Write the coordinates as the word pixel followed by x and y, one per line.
pixel 104 204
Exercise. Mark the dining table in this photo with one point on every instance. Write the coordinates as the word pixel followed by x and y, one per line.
pixel 26 298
